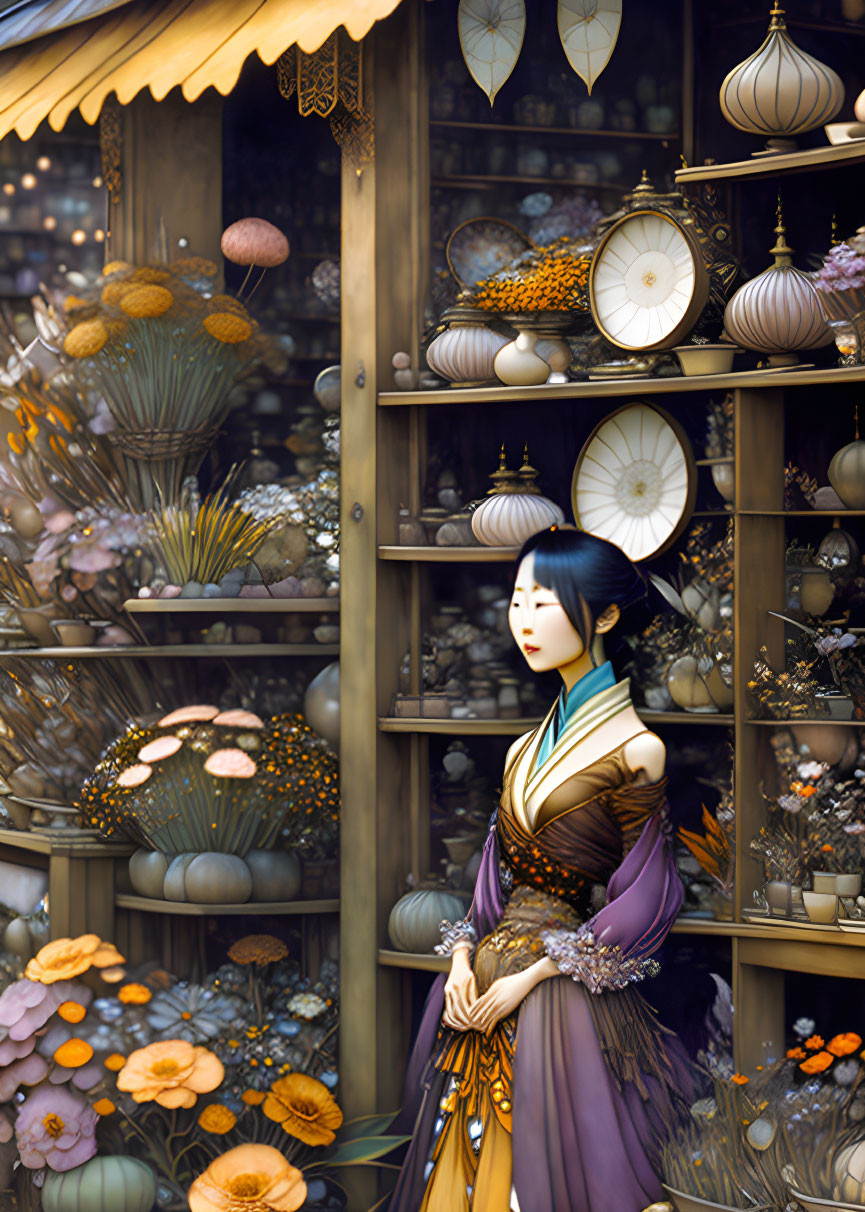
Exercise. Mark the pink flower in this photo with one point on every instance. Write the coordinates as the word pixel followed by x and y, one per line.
pixel 6 1128
pixel 26 1006
pixel 27 1072
pixel 55 1128
pixel 93 559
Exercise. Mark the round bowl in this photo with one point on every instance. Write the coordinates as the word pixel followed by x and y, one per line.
pixel 821 906
pixel 811 1204
pixel 844 132
pixel 706 359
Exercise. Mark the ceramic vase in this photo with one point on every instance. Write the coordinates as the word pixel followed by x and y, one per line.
pixel 464 353
pixel 780 91
pixel 518 364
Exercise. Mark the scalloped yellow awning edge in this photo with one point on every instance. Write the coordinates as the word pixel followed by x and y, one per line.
pixel 160 45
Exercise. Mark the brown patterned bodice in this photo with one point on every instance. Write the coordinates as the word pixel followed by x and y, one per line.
pixel 582 836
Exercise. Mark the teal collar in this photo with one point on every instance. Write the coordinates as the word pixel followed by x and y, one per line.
pixel 569 704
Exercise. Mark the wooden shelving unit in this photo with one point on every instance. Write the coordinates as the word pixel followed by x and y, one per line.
pixel 385 760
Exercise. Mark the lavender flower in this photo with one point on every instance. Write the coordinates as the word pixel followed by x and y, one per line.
pixel 56 1129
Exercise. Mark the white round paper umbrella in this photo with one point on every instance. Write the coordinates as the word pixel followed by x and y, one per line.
pixel 648 283
pixel 635 481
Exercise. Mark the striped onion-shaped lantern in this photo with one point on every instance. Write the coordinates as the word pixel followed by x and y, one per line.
pixel 777 312
pixel 464 353
pixel 513 509
pixel 780 91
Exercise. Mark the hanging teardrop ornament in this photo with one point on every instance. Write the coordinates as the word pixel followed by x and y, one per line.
pixel 589 30
pixel 491 38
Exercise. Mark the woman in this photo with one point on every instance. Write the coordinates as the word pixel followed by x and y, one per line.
pixel 541 1081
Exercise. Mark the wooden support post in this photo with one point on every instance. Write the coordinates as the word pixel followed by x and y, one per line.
pixel 171 179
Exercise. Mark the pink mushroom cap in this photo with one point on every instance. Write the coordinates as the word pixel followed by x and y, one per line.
pixel 239 719
pixel 134 776
pixel 162 747
pixel 188 715
pixel 254 242
pixel 230 764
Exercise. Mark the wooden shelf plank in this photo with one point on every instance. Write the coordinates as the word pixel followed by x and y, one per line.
pixel 80 847
pixel 231 605
pixel 175 650
pixel 517 727
pixel 605 388
pixel 450 555
pixel 784 957
pixel 571 131
pixel 801 513
pixel 809 723
pixel 809 160
pixel 145 904
pixel 485 181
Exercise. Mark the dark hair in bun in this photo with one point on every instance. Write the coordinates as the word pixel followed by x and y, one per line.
pixel 587 574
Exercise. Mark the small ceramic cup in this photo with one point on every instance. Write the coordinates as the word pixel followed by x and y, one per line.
pixel 821 906
pixel 73 633
pixel 849 884
pixel 825 881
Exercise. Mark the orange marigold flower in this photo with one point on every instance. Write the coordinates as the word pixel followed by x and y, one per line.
pixel 115 1062
pixel 66 958
pixel 146 302
pixel 253 1098
pixel 795 1053
pixel 227 327
pixel 256 1178
pixel 257 949
pixel 844 1044
pixel 134 995
pixel 815 1042
pixel 71 1012
pixel 827 849
pixel 740 1079
pixel 217 1119
pixel 116 267
pixel 104 1106
pixel 73 1054
pixel 86 339
pixel 304 1107
pixel 817 1063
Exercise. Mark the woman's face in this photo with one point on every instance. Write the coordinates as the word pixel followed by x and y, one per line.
pixel 546 636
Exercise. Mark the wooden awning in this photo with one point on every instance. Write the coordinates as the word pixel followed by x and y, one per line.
pixel 155 44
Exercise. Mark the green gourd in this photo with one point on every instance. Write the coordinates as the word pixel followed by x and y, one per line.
pixel 104 1184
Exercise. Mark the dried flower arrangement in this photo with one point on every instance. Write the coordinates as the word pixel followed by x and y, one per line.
pixel 554 278
pixel 202 780
pixel 788 1128
pixel 55 720
pixel 789 695
pixel 154 1075
pixel 165 351
pixel 715 850
pixel 203 543
pixel 700 630
pixel 818 814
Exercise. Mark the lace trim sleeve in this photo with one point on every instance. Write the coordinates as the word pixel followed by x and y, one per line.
pixel 456 934
pixel 577 954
